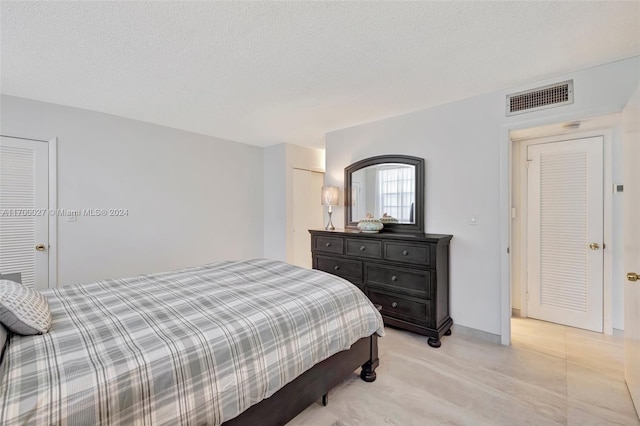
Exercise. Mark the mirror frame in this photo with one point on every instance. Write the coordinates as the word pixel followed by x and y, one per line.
pixel 418 226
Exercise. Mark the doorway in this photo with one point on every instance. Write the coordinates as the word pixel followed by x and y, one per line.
pixel 28 211
pixel 594 279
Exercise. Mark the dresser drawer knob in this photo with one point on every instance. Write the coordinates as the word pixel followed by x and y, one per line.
pixel 327 245
pixel 394 278
pixel 362 248
pixel 405 252
pixel 335 268
pixel 394 304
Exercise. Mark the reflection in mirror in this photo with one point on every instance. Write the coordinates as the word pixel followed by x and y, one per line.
pixel 380 189
pixel 391 184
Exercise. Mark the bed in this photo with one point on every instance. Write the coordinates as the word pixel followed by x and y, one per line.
pixel 247 342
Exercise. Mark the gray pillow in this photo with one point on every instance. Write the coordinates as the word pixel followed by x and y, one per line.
pixel 3 339
pixel 23 310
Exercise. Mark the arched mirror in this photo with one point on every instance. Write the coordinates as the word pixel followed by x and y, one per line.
pixel 390 186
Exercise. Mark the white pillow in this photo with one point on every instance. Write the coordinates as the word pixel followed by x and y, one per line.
pixel 23 310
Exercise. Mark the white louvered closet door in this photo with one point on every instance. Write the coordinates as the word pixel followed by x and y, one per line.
pixel 24 216
pixel 565 217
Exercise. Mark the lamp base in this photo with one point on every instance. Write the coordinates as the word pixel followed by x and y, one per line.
pixel 330 226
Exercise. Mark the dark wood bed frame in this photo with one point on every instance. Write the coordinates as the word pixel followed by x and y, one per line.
pixel 312 385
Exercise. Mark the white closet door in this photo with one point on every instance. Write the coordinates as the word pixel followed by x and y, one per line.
pixel 24 200
pixel 565 232
pixel 307 213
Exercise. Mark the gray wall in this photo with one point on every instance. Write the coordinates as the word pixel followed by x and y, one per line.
pixel 275 202
pixel 279 162
pixel 192 199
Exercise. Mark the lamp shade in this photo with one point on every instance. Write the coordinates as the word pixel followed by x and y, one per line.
pixel 329 196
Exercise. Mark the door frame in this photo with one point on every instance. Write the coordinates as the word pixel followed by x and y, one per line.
pixel 522 211
pixel 52 205
pixel 290 223
pixel 506 173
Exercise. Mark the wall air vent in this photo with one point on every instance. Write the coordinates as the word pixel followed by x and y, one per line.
pixel 545 97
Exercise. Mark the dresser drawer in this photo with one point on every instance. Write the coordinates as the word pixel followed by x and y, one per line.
pixel 328 244
pixel 400 307
pixel 411 281
pixel 364 248
pixel 407 252
pixel 346 268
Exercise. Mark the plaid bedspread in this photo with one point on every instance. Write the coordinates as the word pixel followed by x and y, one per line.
pixel 194 346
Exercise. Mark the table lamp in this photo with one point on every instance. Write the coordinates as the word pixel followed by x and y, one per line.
pixel 330 198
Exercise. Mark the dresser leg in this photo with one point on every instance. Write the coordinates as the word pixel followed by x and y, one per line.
pixel 434 343
pixel 325 399
pixel 448 332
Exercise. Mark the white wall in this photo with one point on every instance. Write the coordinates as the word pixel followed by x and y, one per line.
pixel 461 143
pixel 192 199
pixel 617 246
pixel 279 162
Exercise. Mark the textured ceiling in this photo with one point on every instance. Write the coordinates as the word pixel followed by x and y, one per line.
pixel 264 73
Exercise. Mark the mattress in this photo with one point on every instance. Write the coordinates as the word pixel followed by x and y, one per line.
pixel 193 346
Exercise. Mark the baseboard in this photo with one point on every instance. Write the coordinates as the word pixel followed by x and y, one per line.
pixel 515 312
pixel 472 332
pixel 618 333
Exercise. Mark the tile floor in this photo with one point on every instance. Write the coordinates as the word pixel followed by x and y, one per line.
pixel 550 375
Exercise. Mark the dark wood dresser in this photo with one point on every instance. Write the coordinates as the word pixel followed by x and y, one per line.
pixel 407 274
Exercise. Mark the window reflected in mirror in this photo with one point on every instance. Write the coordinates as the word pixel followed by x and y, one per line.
pixel 387 189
